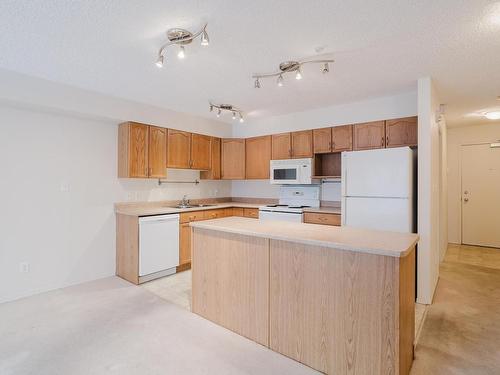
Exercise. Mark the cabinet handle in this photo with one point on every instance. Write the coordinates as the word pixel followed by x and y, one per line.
pixel 386 140
pixel 333 146
pixel 382 141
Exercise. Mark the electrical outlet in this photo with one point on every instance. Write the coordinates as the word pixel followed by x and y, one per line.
pixel 24 267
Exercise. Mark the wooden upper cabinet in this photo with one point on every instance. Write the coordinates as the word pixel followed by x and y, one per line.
pixel 281 146
pixel 322 140
pixel 233 159
pixel 302 144
pixel 157 158
pixel 342 138
pixel 133 141
pixel 178 149
pixel 214 172
pixel 369 135
pixel 200 151
pixel 258 156
pixel 401 132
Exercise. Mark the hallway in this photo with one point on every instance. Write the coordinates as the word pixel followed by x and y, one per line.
pixel 462 327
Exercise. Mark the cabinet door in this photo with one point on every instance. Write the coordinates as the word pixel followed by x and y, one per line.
pixel 200 151
pixel 178 149
pixel 184 244
pixel 401 132
pixel 302 144
pixel 258 156
pixel 214 172
pixel 322 140
pixel 238 211
pixel 251 213
pixel 233 159
pixel 369 135
pixel 157 152
pixel 342 138
pixel 138 150
pixel 281 146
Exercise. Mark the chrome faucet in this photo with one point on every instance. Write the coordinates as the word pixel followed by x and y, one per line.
pixel 184 201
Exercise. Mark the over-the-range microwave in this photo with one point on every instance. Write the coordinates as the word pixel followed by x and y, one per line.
pixel 292 172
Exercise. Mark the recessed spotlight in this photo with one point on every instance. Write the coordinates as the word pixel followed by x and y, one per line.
pixel 495 115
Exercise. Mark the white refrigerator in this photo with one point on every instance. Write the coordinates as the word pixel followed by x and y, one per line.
pixel 378 189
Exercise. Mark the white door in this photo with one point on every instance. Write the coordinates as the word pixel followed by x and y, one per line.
pixel 481 195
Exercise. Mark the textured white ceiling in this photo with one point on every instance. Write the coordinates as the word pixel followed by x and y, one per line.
pixel 380 47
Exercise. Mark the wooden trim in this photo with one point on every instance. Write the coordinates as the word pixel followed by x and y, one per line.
pixel 127 247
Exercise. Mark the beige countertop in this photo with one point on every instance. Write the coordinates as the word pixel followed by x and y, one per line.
pixel 323 210
pixel 342 238
pixel 148 210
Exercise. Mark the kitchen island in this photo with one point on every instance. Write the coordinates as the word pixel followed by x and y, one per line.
pixel 338 299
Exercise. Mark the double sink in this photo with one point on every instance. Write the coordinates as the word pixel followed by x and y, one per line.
pixel 192 205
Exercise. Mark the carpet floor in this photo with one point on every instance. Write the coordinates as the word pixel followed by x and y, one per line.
pixel 112 327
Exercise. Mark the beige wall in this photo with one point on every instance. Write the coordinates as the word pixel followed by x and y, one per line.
pixel 456 138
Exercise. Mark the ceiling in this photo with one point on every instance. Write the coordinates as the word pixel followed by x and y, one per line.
pixel 381 48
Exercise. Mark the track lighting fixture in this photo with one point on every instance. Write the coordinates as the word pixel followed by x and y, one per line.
pixel 159 62
pixel 228 108
pixel 181 53
pixel 280 80
pixel 298 75
pixel 290 66
pixel 181 38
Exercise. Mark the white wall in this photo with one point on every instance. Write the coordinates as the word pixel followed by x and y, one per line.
pixel 67 237
pixel 429 183
pixel 382 108
pixel 456 138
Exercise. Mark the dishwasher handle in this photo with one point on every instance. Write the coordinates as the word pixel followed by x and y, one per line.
pixel 159 218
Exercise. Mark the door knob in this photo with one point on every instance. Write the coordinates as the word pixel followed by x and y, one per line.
pixel 466 199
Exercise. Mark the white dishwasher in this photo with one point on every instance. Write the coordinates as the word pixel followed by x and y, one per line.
pixel 158 246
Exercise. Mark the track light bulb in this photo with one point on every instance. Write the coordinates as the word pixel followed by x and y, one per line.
pixel 280 80
pixel 205 40
pixel 181 53
pixel 234 115
pixel 211 108
pixel 159 62
pixel 257 84
pixel 326 68
pixel 298 75
pixel 218 113
pixel 241 118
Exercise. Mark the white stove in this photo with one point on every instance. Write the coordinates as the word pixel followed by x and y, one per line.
pixel 292 201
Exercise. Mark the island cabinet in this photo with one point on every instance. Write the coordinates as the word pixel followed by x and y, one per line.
pixel 233 159
pixel 215 159
pixel 340 300
pixel 142 151
pixel 258 156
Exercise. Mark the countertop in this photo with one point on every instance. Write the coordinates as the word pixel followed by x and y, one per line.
pixel 162 210
pixel 342 238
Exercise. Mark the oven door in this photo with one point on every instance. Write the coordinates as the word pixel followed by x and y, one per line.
pixel 285 174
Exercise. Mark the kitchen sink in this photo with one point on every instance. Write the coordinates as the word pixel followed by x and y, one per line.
pixel 192 205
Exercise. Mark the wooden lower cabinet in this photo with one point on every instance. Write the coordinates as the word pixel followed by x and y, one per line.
pixel 238 211
pixel 184 245
pixel 251 213
pixel 322 218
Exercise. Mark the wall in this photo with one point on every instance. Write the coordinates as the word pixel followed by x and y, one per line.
pixel 402 105
pixel 58 188
pixel 456 138
pixel 429 186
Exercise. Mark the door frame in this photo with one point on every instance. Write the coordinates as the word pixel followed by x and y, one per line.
pixel 461 184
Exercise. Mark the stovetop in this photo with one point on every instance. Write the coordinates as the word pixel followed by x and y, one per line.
pixel 284 208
